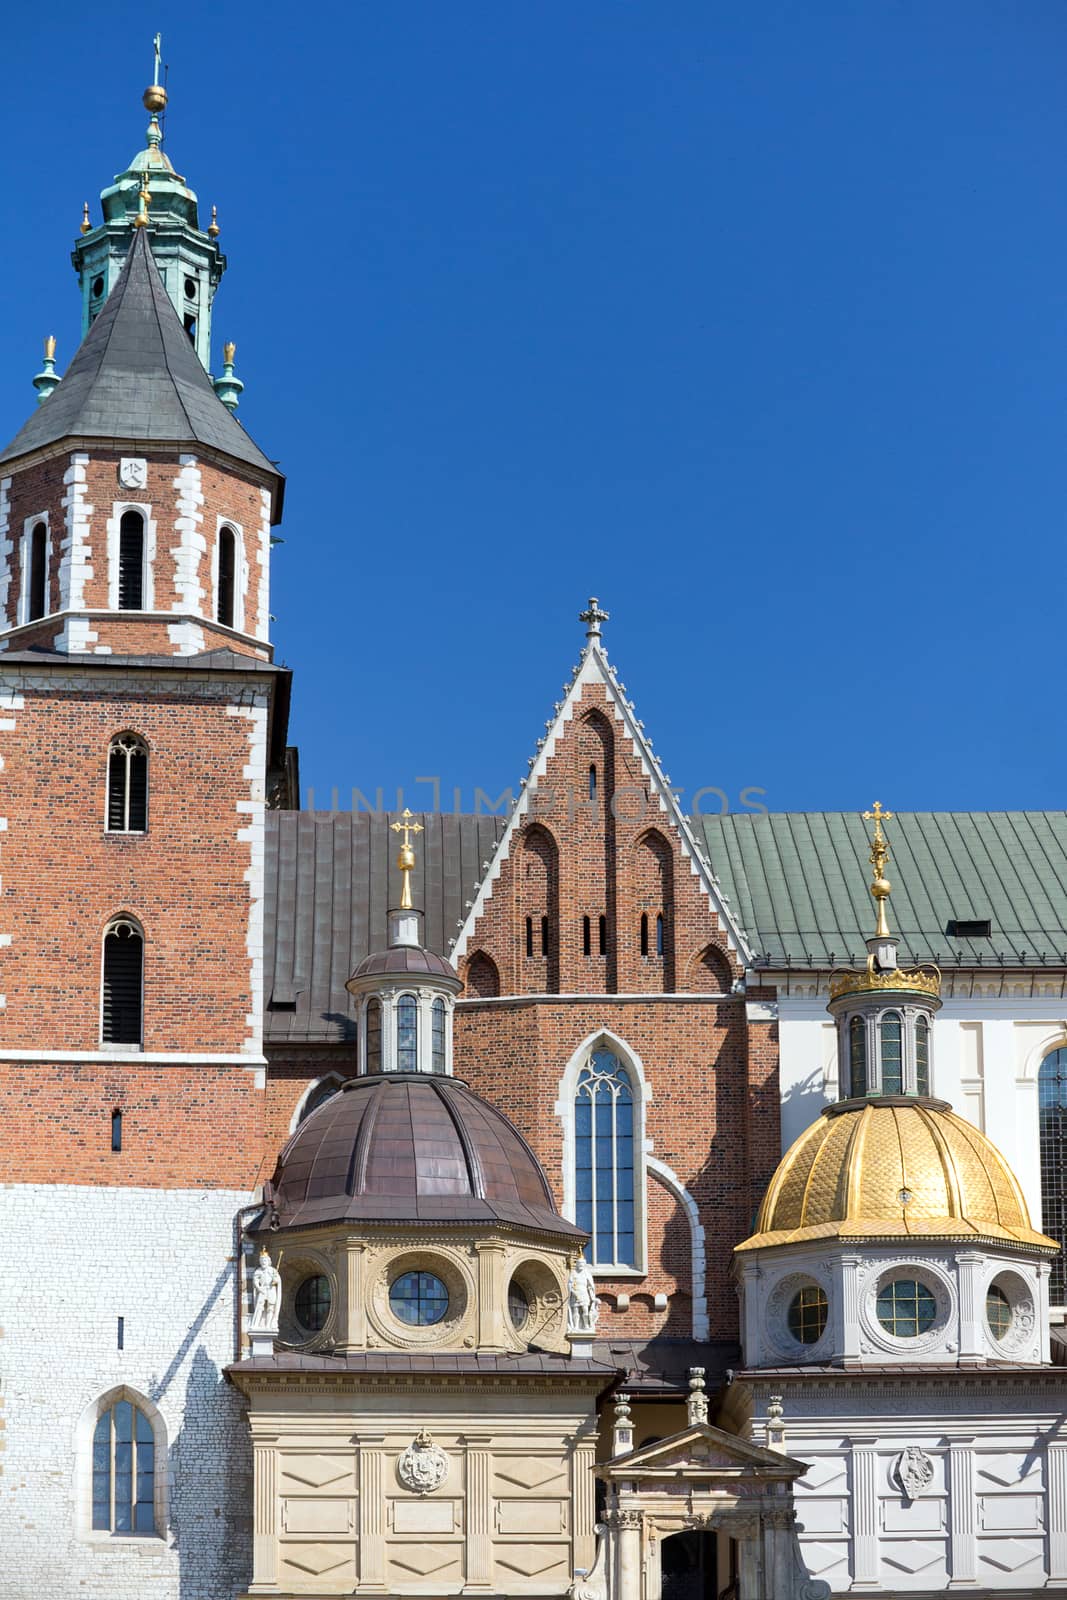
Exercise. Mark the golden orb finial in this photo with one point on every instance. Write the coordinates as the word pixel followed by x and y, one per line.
pixel 86 225
pixel 213 225
pixel 881 888
pixel 154 98
pixel 406 858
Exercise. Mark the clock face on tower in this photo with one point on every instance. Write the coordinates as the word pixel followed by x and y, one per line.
pixel 133 472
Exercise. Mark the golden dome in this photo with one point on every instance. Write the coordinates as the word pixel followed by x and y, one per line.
pixel 892 1168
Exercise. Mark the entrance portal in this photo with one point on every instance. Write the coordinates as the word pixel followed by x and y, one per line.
pixel 690 1567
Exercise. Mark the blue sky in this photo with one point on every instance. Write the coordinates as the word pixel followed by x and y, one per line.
pixel 749 319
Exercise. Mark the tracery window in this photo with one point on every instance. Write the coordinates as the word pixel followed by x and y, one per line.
pixel 604 1159
pixel 374 1036
pixel 1052 1137
pixel 437 1036
pixel 407 1034
pixel 124 1467
pixel 127 785
pixel 121 1020
pixel 922 1056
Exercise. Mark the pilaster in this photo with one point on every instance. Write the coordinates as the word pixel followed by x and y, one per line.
pixel 864 1462
pixel 963 1549
pixel 1056 1492
pixel 491 1297
pixel 353 1315
pixel 479 1563
pixel 972 1319
pixel 583 1497
pixel 371 1512
pixel 265 1516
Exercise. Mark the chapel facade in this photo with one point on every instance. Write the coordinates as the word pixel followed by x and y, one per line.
pixel 544 1202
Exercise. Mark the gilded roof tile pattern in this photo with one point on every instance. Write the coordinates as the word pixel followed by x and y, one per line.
pixel 887 1169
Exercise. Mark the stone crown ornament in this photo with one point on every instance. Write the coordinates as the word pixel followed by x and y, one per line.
pixel 424 1466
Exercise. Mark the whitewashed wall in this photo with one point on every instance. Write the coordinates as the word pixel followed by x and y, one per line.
pixel 72 1261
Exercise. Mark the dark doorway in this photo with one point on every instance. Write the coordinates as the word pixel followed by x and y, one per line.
pixel 689 1565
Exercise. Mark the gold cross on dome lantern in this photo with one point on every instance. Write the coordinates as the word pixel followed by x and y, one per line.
pixel 406 859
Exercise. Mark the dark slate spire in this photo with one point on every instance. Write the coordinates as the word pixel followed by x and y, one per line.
pixel 136 377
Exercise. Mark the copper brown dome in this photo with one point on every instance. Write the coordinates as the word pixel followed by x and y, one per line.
pixel 404 960
pixel 400 1147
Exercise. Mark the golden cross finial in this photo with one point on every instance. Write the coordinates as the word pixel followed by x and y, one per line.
pixel 406 859
pixel 881 887
pixel 157 46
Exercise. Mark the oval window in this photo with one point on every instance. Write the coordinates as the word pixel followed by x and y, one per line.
pixel 518 1305
pixel 998 1312
pixel 808 1311
pixel 418 1298
pixel 312 1303
pixel 906 1308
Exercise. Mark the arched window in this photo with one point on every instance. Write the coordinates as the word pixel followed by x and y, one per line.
pixel 116 1130
pixel 592 780
pixel 602 935
pixel 922 1056
pixel 437 1036
pixel 37 598
pixel 659 934
pixel 374 1036
pixel 529 936
pixel 892 1058
pixel 131 561
pixel 407 1034
pixel 587 937
pixel 124 1471
pixel 127 785
pixel 318 1097
pixel 227 576
pixel 121 1002
pixel 857 1055
pixel 1052 1137
pixel 604 1159
pixel 644 933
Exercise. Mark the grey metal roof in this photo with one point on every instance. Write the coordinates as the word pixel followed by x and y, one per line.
pixel 222 660
pixel 136 376
pixel 532 1363
pixel 331 879
pixel 799 883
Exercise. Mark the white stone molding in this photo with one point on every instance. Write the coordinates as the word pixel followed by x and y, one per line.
pixel 697 1251
pixel 25 565
pixel 113 922
pixel 864 1476
pixel 1056 1458
pixel 261 621
pixel 564 1109
pixel 75 549
pixel 773 1321
pixel 942 1336
pixel 191 548
pixel 7 548
pixel 253 834
pixel 312 1089
pixel 240 573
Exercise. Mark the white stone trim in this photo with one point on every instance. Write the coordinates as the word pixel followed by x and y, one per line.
pixel 698 1269
pixel 262 618
pixel 254 835
pixel 25 564
pixel 75 548
pixel 128 1055
pixel 564 1109
pixel 112 921
pixel 240 573
pixel 83 1468
pixel 7 547
pixel 595 668
pixel 191 547
pixel 118 510
pixel 587 999
pixel 313 1087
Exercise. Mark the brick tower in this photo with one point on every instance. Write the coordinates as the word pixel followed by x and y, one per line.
pixel 140 707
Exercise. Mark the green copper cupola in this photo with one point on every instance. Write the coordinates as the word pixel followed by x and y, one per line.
pixel 188 257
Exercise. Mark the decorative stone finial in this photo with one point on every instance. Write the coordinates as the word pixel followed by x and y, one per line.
pixel 86 224
pixel 47 380
pixel 228 387
pixel 406 859
pixel 145 197
pixel 622 1429
pixel 697 1400
pixel 775 1425
pixel 592 618
pixel 213 225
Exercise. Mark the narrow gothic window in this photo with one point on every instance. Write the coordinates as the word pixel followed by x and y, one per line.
pixel 603 936
pixel 544 936
pixel 127 785
pixel 374 1036
pixel 529 936
pixel 644 933
pixel 131 561
pixel 587 937
pixel 124 1471
pixel 227 575
pixel 437 1039
pixel 857 1055
pixel 1052 1138
pixel 892 1065
pixel 121 1020
pixel 604 1159
pixel 38 573
pixel 922 1056
pixel 592 782
pixel 659 934
pixel 116 1130
pixel 407 1034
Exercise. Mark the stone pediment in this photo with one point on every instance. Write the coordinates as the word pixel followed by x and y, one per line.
pixel 702 1451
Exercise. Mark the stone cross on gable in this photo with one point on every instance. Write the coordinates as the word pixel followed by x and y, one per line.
pixel 593 617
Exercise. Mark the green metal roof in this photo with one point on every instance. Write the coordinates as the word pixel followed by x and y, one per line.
pixel 798 882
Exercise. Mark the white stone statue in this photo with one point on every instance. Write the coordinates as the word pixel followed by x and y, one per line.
pixel 267 1283
pixel 583 1307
